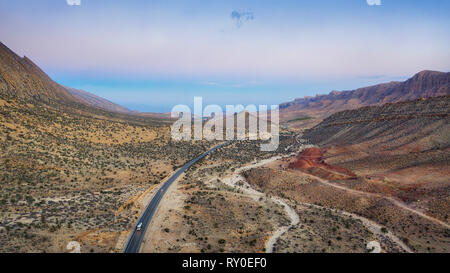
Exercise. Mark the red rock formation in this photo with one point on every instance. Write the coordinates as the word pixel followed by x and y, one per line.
pixel 312 158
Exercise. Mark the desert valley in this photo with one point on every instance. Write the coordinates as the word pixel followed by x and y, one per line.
pixel 352 167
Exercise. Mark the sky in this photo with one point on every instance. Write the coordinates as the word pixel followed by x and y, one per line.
pixel 152 55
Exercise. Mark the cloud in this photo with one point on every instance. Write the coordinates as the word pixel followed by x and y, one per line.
pixel 73 2
pixel 241 17
pixel 374 2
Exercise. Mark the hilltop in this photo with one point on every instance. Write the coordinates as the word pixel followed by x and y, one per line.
pixel 22 79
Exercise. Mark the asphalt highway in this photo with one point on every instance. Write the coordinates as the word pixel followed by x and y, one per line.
pixel 135 241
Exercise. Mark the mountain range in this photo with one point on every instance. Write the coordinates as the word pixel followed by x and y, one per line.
pixel 308 111
pixel 22 78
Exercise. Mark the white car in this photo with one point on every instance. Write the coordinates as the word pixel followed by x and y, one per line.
pixel 139 226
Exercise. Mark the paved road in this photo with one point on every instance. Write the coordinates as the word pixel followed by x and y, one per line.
pixel 135 241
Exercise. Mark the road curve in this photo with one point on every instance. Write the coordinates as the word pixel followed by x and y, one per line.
pixel 135 240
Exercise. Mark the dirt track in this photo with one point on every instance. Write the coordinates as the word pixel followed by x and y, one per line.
pixel 394 201
pixel 238 181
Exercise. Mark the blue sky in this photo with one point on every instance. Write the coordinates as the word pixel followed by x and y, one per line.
pixel 152 55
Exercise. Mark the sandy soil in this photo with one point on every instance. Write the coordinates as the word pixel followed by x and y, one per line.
pixel 169 213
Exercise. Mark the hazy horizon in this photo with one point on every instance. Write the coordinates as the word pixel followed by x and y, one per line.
pixel 152 56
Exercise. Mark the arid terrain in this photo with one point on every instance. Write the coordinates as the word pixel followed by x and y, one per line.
pixel 76 167
pixel 63 175
pixel 205 214
pixel 388 164
pixel 70 171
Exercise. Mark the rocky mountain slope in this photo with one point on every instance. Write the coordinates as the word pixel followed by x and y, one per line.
pixel 420 124
pixel 97 101
pixel 21 78
pixel 311 110
pixel 23 81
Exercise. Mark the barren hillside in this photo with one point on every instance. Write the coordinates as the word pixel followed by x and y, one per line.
pixel 416 125
pixel 21 78
pixel 97 101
